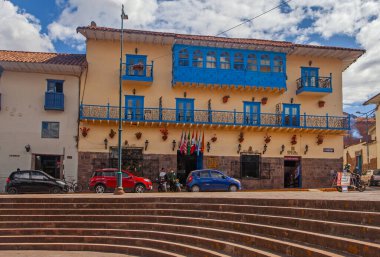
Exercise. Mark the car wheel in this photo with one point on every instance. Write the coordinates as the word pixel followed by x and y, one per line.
pixel 100 189
pixel 195 188
pixel 12 191
pixel 232 188
pixel 55 190
pixel 139 188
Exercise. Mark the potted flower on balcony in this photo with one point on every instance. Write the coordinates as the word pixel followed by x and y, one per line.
pixel 112 133
pixel 267 139
pixel 164 133
pixel 321 103
pixel 138 66
pixel 225 98
pixel 264 100
pixel 319 139
pixel 138 135
pixel 214 138
pixel 293 141
pixel 84 131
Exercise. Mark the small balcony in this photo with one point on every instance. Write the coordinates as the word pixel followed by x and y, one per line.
pixel 137 74
pixel 215 119
pixel 314 85
pixel 54 101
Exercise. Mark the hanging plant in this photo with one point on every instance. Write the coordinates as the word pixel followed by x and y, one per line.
pixel 320 139
pixel 267 139
pixel 321 103
pixel 264 100
pixel 112 133
pixel 214 138
pixel 293 141
pixel 138 135
pixel 241 137
pixel 225 98
pixel 164 133
pixel 84 131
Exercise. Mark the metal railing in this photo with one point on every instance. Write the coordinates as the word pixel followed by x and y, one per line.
pixel 315 82
pixel 54 101
pixel 138 70
pixel 213 117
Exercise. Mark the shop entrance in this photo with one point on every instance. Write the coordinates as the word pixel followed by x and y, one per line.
pixel 51 164
pixel 292 172
pixel 187 163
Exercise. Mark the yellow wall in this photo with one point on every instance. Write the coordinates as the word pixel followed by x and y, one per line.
pixel 102 87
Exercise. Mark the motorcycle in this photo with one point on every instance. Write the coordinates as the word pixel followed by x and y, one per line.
pixel 162 185
pixel 355 183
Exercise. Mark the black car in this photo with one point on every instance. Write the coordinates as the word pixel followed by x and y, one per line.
pixel 33 181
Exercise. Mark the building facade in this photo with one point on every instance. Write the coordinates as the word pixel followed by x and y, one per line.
pixel 39 96
pixel 270 111
pixel 375 101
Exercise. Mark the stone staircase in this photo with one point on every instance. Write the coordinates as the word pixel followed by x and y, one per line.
pixel 191 226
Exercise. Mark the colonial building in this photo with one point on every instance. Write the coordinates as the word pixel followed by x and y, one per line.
pixel 271 111
pixel 375 100
pixel 39 106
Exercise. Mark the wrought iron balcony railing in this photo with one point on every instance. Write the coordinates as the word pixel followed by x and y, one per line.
pixel 54 101
pixel 212 117
pixel 138 72
pixel 314 84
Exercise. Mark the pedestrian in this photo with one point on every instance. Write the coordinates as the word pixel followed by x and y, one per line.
pixel 171 179
pixel 162 179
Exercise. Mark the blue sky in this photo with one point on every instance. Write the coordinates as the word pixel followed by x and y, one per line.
pixel 51 26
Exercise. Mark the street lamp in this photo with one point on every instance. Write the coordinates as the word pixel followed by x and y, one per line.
pixel 367 132
pixel 119 189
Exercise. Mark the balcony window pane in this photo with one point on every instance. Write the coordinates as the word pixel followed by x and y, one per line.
pixel 278 64
pixel 50 129
pixel 225 61
pixel 183 58
pixel 197 59
pixel 252 62
pixel 265 63
pixel 211 60
pixel 238 61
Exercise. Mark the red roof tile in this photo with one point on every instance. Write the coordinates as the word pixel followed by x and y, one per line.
pixel 46 58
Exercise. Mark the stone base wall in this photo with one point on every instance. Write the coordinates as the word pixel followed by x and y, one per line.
pixel 315 172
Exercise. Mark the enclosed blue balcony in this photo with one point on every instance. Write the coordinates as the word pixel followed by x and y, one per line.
pixel 311 83
pixel 229 68
pixel 136 71
pixel 54 101
pixel 283 121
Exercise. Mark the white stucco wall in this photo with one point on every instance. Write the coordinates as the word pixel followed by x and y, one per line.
pixel 21 115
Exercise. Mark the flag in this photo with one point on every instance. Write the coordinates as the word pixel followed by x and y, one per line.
pixel 199 143
pixel 203 142
pixel 180 141
pixel 188 143
pixel 184 145
pixel 193 144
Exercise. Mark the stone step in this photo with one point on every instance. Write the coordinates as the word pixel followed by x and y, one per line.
pixel 194 246
pixel 369 206
pixel 105 248
pixel 237 232
pixel 197 238
pixel 359 217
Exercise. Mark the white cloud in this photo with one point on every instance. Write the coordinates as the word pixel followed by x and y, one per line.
pixel 21 31
pixel 358 19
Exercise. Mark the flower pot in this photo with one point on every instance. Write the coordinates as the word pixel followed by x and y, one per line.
pixel 264 100
pixel 321 104
pixel 213 139
pixel 164 137
pixel 267 140
pixel 225 98
pixel 138 135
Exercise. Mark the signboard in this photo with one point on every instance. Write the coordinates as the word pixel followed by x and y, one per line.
pixel 346 178
pixel 328 150
pixel 292 151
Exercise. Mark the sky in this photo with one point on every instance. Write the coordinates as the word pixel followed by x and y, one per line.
pixel 50 25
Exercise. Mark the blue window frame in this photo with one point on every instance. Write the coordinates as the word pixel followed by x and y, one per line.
pixel 185 109
pixel 238 61
pixel 265 63
pixel 183 57
pixel 225 61
pixel 54 97
pixel 54 86
pixel 134 107
pixel 278 64
pixel 291 115
pixel 252 62
pixel 50 129
pixel 309 76
pixel 198 59
pixel 136 65
pixel 252 113
pixel 211 60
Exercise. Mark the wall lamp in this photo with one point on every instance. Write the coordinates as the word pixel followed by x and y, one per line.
pixel 146 144
pixel 174 143
pixel 265 148
pixel 208 146
pixel 306 149
pixel 282 149
pixel 239 148
pixel 27 148
pixel 105 143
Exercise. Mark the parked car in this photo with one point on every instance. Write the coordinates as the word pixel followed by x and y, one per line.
pixel 33 181
pixel 104 180
pixel 211 180
pixel 375 178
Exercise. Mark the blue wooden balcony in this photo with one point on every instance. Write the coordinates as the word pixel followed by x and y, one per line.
pixel 314 85
pixel 215 118
pixel 54 101
pixel 138 74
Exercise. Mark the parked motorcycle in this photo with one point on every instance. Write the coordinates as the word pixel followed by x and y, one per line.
pixel 355 183
pixel 162 185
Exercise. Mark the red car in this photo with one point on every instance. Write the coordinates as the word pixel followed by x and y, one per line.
pixel 105 180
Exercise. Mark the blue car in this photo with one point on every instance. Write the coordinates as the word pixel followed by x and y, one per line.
pixel 211 180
